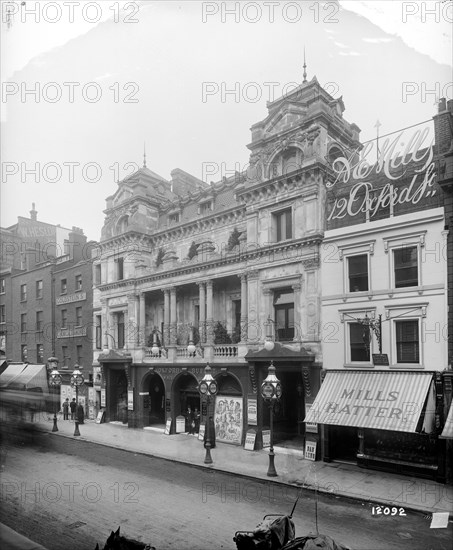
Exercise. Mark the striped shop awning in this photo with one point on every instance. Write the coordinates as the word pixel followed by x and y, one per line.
pixel 371 399
pixel 447 432
pixel 10 373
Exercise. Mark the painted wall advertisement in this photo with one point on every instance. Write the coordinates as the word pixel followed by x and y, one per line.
pixel 228 419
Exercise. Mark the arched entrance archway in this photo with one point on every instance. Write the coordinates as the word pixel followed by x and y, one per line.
pixel 185 394
pixel 154 402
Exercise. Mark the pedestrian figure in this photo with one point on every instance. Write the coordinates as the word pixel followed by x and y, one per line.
pixel 66 409
pixel 73 406
pixel 190 421
pixel 196 416
pixel 80 414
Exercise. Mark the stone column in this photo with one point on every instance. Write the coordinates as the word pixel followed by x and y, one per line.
pixel 209 313
pixel 173 325
pixel 202 299
pixel 297 317
pixel 244 317
pixel 104 323
pixel 142 319
pixel 166 317
pixel 130 331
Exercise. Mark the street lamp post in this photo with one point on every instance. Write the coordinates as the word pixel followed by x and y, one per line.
pixel 208 387
pixel 77 380
pixel 271 391
pixel 54 382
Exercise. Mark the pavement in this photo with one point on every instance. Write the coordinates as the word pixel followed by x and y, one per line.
pixel 346 480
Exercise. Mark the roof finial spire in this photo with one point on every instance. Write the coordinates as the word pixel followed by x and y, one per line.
pixel 305 67
pixel 144 154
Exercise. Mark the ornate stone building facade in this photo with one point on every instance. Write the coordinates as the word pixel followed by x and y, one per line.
pixel 226 266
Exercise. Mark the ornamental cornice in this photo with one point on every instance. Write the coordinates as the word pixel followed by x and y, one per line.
pixel 311 263
pixel 298 180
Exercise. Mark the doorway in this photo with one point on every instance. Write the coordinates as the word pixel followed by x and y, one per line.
pixel 343 443
pixel 154 403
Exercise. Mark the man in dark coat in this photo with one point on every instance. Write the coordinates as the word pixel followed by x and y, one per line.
pixel 73 406
pixel 66 409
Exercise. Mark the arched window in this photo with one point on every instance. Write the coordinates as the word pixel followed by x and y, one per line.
pixel 334 153
pixel 122 224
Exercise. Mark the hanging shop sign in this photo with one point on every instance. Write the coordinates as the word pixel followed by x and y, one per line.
pixel 228 419
pixel 380 359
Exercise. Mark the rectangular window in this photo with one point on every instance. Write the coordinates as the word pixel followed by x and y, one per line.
pixel 2 286
pixel 40 353
pixel 205 207
pixel 358 273
pixel 97 274
pixel 120 325
pixel 39 321
pixel 24 353
pixel 80 355
pixel 2 313
pixel 406 266
pixel 64 318
pixel 283 225
pixel 23 322
pixel 119 269
pixel 78 316
pixel 407 342
pixel 284 315
pixel 98 332
pixel 359 342
pixel 38 289
pixel 63 286
pixel 64 351
pixel 78 282
pixel 23 293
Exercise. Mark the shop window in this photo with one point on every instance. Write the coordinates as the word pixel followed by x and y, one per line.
pixel 39 321
pixel 282 225
pixel 2 313
pixel 23 322
pixel 119 269
pixel 78 316
pixel 23 293
pixel 63 286
pixel 359 343
pixel 78 282
pixel 39 288
pixel 24 353
pixel 2 286
pixel 358 273
pixel 40 353
pixel 405 261
pixel 98 332
pixel 64 318
pixel 407 341
pixel 284 315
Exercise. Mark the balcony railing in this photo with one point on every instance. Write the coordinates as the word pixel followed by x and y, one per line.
pixel 226 350
pixel 159 355
pixel 182 353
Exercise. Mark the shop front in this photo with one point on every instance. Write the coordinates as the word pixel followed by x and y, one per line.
pixel 380 420
pixel 115 370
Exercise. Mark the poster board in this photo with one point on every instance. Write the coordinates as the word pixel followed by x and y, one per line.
pixel 311 427
pixel 100 418
pixel 252 411
pixel 180 424
pixel 310 450
pixel 228 419
pixel 103 400
pixel 250 439
pixel 266 438
pixel 130 400
pixel 202 432
pixel 167 427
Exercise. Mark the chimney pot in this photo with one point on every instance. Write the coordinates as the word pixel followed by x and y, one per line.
pixel 442 105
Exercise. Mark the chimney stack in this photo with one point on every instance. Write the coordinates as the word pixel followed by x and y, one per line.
pixel 33 212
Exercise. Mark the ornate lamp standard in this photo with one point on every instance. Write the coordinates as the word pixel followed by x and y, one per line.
pixel 77 380
pixel 271 391
pixel 54 382
pixel 208 387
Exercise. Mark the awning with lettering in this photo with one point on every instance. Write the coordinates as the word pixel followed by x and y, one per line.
pixel 447 432
pixel 25 377
pixel 371 399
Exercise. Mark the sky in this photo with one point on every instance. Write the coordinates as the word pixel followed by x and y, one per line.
pixel 187 80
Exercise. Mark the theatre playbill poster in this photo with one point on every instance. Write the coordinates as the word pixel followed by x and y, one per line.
pixel 228 416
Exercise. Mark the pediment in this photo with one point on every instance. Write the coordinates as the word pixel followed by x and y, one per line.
pixel 287 116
